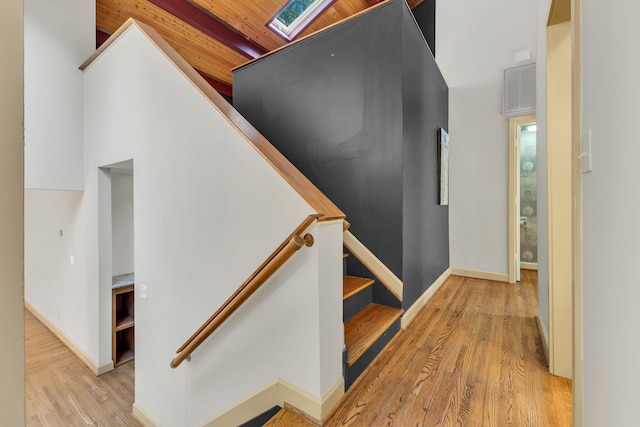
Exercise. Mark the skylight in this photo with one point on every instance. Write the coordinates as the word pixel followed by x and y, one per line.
pixel 296 15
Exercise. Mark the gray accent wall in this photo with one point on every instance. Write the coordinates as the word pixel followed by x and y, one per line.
pixel 425 223
pixel 356 108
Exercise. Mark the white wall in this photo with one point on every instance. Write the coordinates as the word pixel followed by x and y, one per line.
pixel 58 37
pixel 611 208
pixel 208 210
pixel 122 221
pixel 12 391
pixel 301 302
pixel 476 41
pixel 62 292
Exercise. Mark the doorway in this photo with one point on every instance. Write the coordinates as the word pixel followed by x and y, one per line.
pixel 560 192
pixel 523 239
pixel 116 263
pixel 122 267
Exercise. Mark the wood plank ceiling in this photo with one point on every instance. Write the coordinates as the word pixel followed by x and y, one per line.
pixel 215 36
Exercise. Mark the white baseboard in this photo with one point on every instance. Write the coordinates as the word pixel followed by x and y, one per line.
pixel 84 357
pixel 411 313
pixel 496 277
pixel 145 419
pixel 545 338
pixel 529 265
pixel 278 393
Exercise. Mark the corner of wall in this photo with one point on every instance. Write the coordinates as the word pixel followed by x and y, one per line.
pixel 84 357
pixel 413 311
pixel 143 417
pixel 544 336
pixel 279 393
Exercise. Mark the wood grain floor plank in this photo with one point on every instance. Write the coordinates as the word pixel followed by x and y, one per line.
pixel 62 391
pixel 352 285
pixel 471 357
pixel 363 329
pixel 286 418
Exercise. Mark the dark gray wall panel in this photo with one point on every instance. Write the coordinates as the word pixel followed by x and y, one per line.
pixel 356 108
pixel 425 222
pixel 425 15
pixel 332 105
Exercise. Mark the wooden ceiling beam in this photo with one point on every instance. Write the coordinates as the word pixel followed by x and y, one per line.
pixel 101 37
pixel 202 51
pixel 217 84
pixel 415 3
pixel 215 29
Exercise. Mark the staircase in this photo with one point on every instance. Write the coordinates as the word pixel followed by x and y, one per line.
pixel 287 418
pixel 368 325
pixel 368 328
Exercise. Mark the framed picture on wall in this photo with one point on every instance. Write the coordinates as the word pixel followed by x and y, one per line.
pixel 443 167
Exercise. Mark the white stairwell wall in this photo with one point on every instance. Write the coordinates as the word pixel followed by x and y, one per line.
pixel 207 211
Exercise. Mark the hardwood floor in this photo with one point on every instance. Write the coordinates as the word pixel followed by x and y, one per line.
pixel 472 357
pixel 62 391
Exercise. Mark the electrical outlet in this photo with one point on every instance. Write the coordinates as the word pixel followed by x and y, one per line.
pixel 72 259
pixel 143 291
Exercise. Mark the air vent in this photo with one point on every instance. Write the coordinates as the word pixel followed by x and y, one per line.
pixel 519 96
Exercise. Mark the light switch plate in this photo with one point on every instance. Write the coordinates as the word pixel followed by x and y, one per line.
pixel 143 291
pixel 586 157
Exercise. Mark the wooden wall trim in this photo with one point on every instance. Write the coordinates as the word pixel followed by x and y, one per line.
pixel 559 12
pixel 305 188
pixel 559 198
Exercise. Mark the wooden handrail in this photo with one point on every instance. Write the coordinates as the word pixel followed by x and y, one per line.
pixel 277 258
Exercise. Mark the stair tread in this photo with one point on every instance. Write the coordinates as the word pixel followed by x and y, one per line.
pixel 345 255
pixel 286 418
pixel 363 329
pixel 352 285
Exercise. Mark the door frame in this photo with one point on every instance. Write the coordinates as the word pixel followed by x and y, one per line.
pixel 514 199
pixel 576 119
pixel 562 11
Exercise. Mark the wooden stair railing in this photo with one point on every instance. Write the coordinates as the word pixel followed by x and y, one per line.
pixel 287 248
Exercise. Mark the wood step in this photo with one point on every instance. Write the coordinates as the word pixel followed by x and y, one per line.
pixel 363 329
pixel 345 255
pixel 352 285
pixel 286 418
